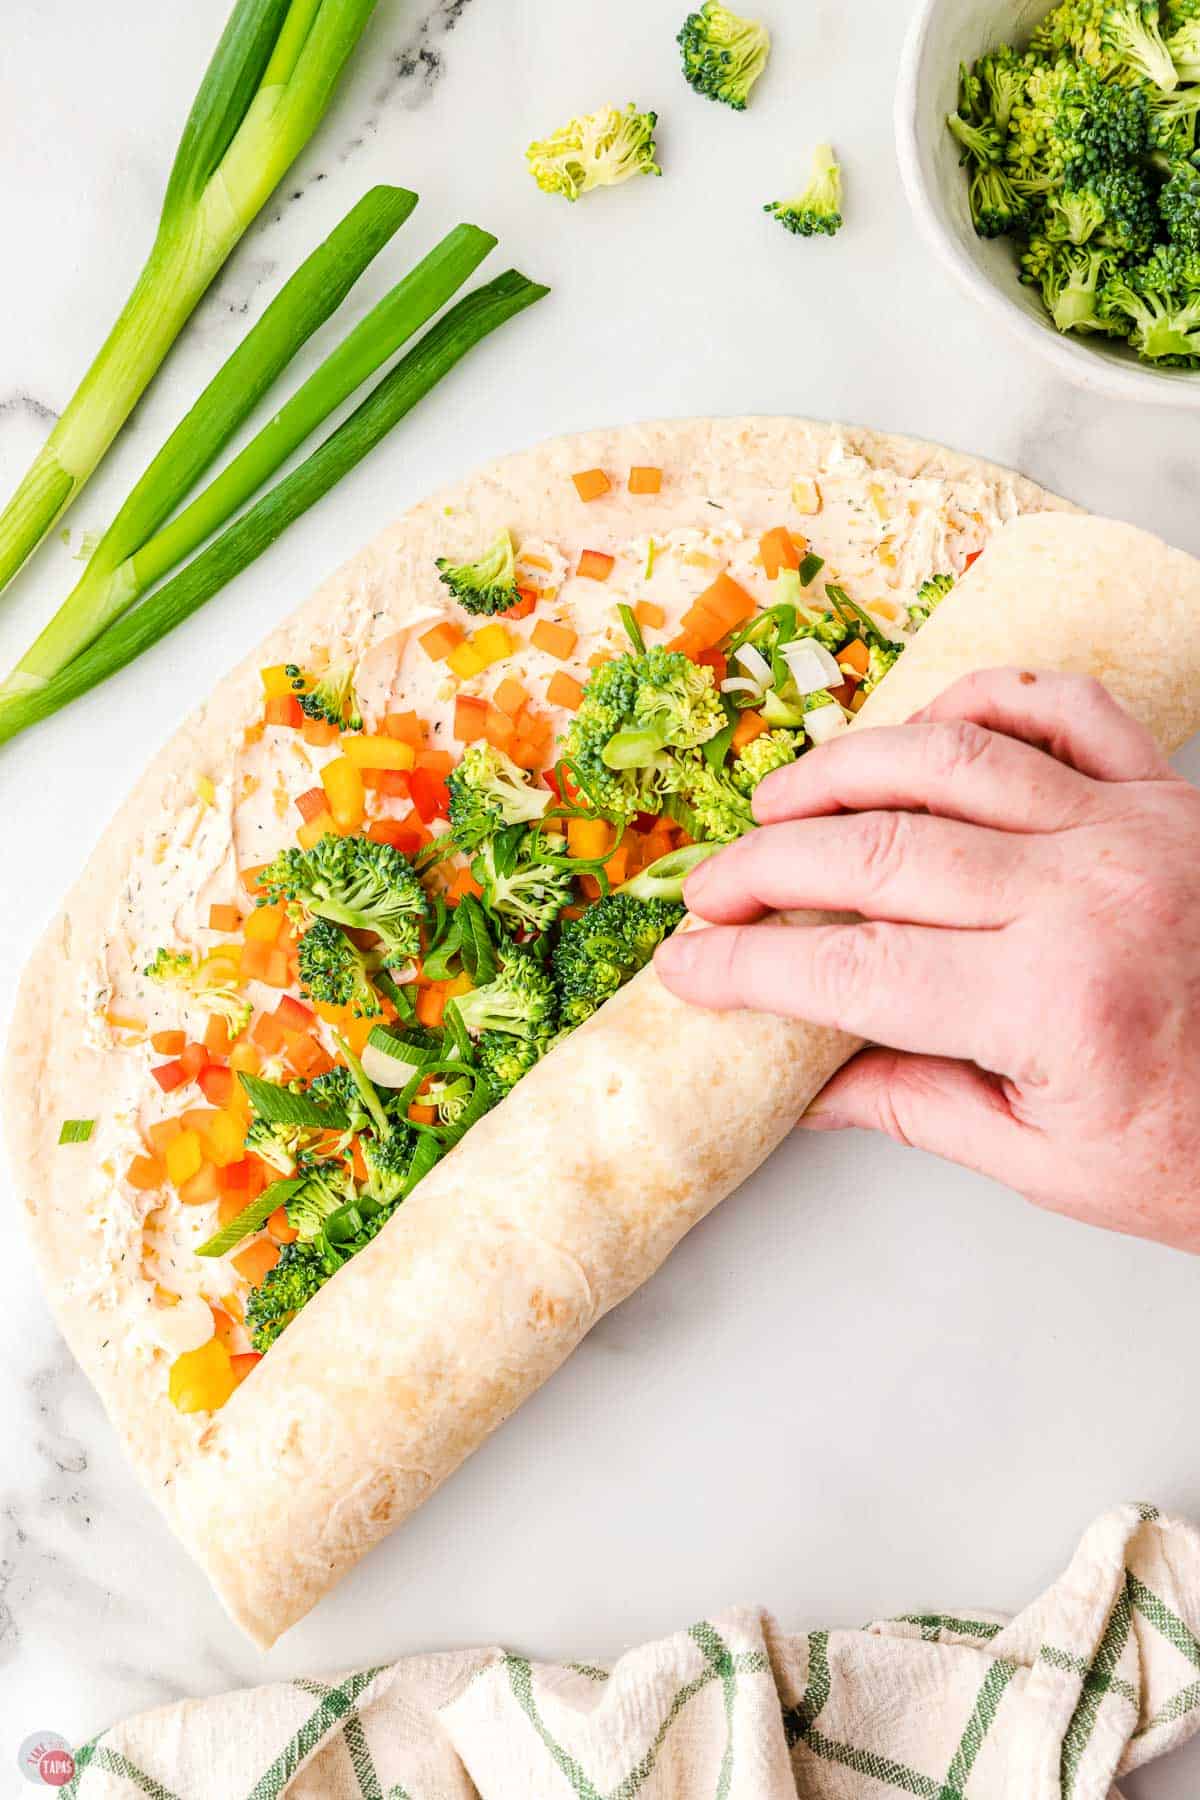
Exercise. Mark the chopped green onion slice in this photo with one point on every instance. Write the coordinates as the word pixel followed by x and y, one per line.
pixel 76 1131
pixel 252 1218
pixel 810 568
pixel 633 629
pixel 277 1105
pixel 664 879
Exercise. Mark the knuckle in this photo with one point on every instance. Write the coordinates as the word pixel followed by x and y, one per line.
pixel 883 843
pixel 955 746
pixel 850 959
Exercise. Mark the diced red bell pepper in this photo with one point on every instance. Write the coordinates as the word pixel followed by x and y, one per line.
pixel 293 1016
pixel 430 795
pixel 170 1075
pixel 216 1084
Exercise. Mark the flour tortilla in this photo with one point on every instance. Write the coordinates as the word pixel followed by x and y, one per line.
pixel 536 1225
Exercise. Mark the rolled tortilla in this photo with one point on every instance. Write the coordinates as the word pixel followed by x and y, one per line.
pixel 482 1287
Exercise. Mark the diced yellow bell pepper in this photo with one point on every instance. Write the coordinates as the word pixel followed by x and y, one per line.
pixel 492 642
pixel 183 1155
pixel 226 1137
pixel 343 785
pixel 466 661
pixel 312 833
pixel 589 837
pixel 462 984
pixel 277 683
pixel 264 924
pixel 367 752
pixel 201 1380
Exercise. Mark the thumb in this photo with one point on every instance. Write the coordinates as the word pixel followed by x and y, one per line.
pixel 953 1109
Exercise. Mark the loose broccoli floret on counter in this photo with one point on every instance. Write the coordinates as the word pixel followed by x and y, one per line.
pixel 523 888
pixel 634 709
pixel 930 595
pixel 600 952
pixel 487 792
pixel 355 882
pixel 488 585
pixel 204 979
pixel 715 810
pixel 598 149
pixel 769 751
pixel 331 699
pixel 817 210
pixel 334 971
pixel 723 55
pixel 289 1286
pixel 1160 300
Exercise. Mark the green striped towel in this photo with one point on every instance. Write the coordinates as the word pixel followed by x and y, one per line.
pixel 1096 1677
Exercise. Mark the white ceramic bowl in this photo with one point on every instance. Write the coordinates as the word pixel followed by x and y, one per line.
pixel 943 34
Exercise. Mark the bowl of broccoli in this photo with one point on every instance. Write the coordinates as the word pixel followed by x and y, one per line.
pixel 1051 155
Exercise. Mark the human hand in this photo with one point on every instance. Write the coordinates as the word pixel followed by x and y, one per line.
pixel 1027 868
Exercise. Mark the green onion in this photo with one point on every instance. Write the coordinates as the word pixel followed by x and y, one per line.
pixel 111 585
pixel 664 879
pixel 76 1131
pixel 277 1105
pixel 810 568
pixel 252 1218
pixel 446 343
pixel 264 92
pixel 632 629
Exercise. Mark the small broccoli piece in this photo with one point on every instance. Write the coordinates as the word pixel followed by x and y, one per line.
pixel 488 585
pixel 331 699
pixel 388 1159
pixel 356 882
pixel 1073 215
pixel 336 972
pixel 1072 290
pixel 770 750
pixel 930 595
pixel 1074 29
pixel 599 952
pixel 1003 76
pixel 279 1146
pixel 1160 299
pixel 596 150
pixel 981 142
pixel 997 206
pixel 634 709
pixel 289 1286
pixel 204 979
pixel 881 660
pixel 1179 207
pixel 338 1090
pixel 817 210
pixel 1182 24
pixel 525 891
pixel 488 791
pixel 503 1059
pixel 1034 154
pixel 717 810
pixel 1101 125
pixel 1130 221
pixel 723 55
pixel 326 1187
pixel 1130 30
pixel 520 999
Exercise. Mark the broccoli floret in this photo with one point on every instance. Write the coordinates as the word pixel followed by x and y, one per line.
pixel 335 971
pixel 1160 300
pixel 599 952
pixel 817 210
pixel 1130 30
pixel 881 659
pixel 1034 154
pixel 1101 125
pixel 980 141
pixel 525 891
pixel 331 699
pixel 1072 288
pixel 388 1159
pixel 1002 77
pixel 930 595
pixel 325 1189
pixel 486 586
pixel 1181 21
pixel 717 810
pixel 1073 216
pixel 503 1059
pixel 356 882
pixel 723 55
pixel 279 1146
pixel 489 791
pixel 1073 29
pixel 768 751
pixel 290 1285
pixel 1179 207
pixel 1130 222
pixel 597 150
pixel 997 206
pixel 520 1000
pixel 634 709
pixel 204 979
pixel 338 1090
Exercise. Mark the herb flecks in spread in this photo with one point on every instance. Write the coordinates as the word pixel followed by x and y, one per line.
pixel 439 854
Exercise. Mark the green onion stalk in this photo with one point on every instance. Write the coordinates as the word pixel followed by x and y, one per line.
pixel 263 94
pixel 132 556
pixel 467 322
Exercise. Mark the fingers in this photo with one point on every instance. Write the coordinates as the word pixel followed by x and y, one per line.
pixel 1072 717
pixel 885 865
pixel 954 768
pixel 939 992
pixel 949 1108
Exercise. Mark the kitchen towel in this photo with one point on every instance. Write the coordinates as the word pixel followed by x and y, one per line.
pixel 1097 1676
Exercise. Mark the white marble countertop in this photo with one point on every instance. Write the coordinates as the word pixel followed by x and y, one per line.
pixel 870 1383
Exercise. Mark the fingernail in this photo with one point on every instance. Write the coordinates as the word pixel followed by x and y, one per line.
pixel 676 955
pixel 823 1121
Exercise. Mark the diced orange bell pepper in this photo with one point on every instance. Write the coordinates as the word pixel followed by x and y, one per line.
pixel 243 1362
pixel 369 750
pixel 216 1084
pixel 256 1261
pixel 749 726
pixel 431 1004
pixel 493 642
pixel 510 696
pixel 589 838
pixel 470 716
pixel 406 728
pixel 201 1380
pixel 249 878
pixel 498 729
pixel 263 925
pixel 463 883
pixel 324 825
pixel 284 709
pixel 440 640
pixel 596 565
pixel 320 733
pixel 244 1058
pixel 648 614
pixel 168 1043
pixel 590 484
pixel 170 1075
pixel 422 1115
pixel 465 661
pixel 160 1135
pixel 555 640
pixel 268 1033
pixel 435 762
pixel 202 1188
pixel 145 1173
pixel 617 866
pixel 688 644
pixel 778 551
pixel 311 803
pixel 854 657
pixel 643 479
pixel 407 835
pixel 278 972
pixel 343 784
pixel 224 918
pixel 216 1036
pixel 563 690
pixel 281 1228
pixel 277 683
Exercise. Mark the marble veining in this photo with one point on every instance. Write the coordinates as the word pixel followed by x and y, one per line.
pixel 845 1272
